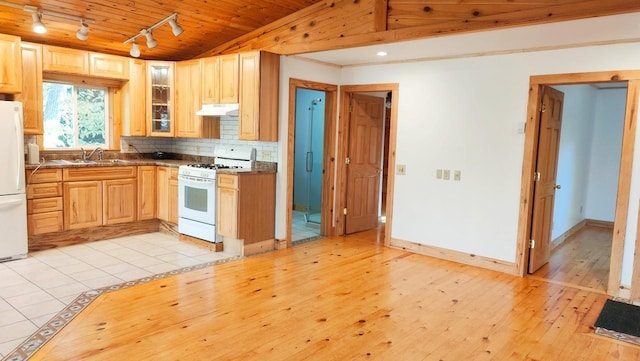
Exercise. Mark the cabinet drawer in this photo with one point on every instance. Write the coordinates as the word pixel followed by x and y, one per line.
pixel 44 176
pixel 227 181
pixel 44 223
pixel 43 205
pixel 44 190
pixel 98 173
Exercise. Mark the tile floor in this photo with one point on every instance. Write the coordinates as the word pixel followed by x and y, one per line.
pixel 35 289
pixel 301 230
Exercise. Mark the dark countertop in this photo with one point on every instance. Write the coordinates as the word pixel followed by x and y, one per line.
pixel 245 171
pixel 57 163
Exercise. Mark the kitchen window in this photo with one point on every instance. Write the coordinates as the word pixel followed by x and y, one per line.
pixel 75 115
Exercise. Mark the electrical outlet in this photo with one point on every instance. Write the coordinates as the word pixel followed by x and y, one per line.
pixel 198 149
pixel 438 173
pixel 266 155
pixel 446 174
pixel 456 175
pixel 401 169
pixel 130 147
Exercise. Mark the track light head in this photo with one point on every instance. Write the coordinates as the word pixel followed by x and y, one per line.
pixel 135 50
pixel 38 26
pixel 175 28
pixel 151 42
pixel 83 32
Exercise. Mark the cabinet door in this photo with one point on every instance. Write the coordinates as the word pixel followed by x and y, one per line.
pixel 65 60
pixel 227 213
pixel 160 99
pixel 162 193
pixel 249 93
pixel 173 200
pixel 188 87
pixel 146 192
pixel 10 64
pixel 108 66
pixel 119 201
pixel 134 96
pixel 229 76
pixel 210 80
pixel 82 204
pixel 31 96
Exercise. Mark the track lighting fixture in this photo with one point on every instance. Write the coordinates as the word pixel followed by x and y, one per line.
pixel 151 42
pixel 83 32
pixel 38 26
pixel 135 50
pixel 175 28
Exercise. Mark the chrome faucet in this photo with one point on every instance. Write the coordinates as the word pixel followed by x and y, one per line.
pixel 86 156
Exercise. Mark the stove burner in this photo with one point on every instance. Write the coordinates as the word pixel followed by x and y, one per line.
pixel 212 166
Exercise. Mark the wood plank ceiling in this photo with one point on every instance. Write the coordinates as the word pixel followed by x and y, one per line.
pixel 285 26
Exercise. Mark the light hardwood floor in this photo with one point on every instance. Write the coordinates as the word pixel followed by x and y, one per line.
pixel 343 298
pixel 581 260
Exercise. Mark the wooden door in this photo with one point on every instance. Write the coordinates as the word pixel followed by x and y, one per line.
pixel 229 78
pixel 173 195
pixel 135 119
pixel 146 192
pixel 211 80
pixel 249 96
pixel 162 193
pixel 188 87
pixel 545 177
pixel 365 156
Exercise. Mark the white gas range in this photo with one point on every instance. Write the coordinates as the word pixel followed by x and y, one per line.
pixel 197 191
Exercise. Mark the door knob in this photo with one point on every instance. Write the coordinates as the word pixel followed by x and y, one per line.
pixel 557 186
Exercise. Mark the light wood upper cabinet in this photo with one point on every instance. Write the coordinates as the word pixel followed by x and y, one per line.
pixel 160 99
pixel 108 66
pixel 210 68
pixel 188 88
pixel 229 78
pixel 259 85
pixel 134 119
pixel 31 96
pixel 10 64
pixel 64 60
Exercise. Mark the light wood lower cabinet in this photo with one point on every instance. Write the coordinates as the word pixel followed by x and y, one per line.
pixel 82 204
pixel 246 206
pixel 146 192
pixel 167 194
pixel 44 201
pixel 119 201
pixel 96 196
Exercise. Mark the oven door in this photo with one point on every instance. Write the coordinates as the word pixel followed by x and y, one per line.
pixel 197 199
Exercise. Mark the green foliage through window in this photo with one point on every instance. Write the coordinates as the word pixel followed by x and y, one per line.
pixel 74 116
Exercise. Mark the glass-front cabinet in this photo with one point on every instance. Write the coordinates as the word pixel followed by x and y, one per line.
pixel 160 98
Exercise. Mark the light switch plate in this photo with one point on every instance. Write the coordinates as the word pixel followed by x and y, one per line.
pixel 401 169
pixel 446 174
pixel 438 173
pixel 456 175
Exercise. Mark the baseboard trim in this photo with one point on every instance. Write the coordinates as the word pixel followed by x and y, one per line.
pixel 455 256
pixel 67 238
pixel 597 223
pixel 563 237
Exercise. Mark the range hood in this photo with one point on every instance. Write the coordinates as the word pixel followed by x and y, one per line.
pixel 216 110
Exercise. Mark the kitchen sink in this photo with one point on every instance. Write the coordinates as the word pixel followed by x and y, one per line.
pixel 112 161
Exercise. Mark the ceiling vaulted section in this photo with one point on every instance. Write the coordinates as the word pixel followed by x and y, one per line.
pixel 286 26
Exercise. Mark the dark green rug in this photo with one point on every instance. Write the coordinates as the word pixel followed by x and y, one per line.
pixel 619 320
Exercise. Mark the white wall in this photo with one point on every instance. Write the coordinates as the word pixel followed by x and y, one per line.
pixel 464 114
pixel 574 156
pixel 605 155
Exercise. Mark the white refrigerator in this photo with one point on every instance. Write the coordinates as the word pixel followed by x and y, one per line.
pixel 13 200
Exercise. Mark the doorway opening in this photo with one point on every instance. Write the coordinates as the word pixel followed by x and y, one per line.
pixel 534 223
pixel 581 194
pixel 311 160
pixel 308 157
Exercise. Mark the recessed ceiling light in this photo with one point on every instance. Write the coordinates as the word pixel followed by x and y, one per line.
pixel 381 53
